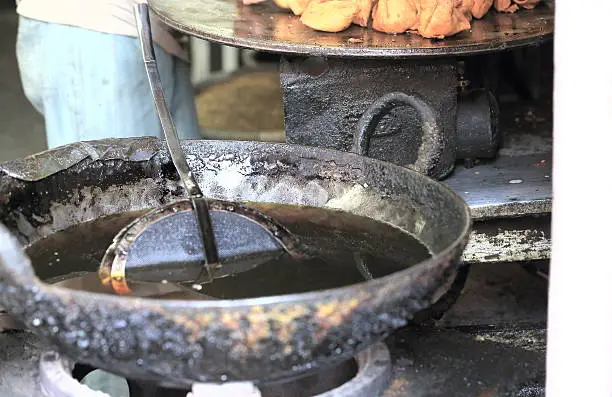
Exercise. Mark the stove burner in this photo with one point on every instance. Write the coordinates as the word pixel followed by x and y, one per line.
pixel 491 343
pixel 371 379
pixel 56 380
pixel 372 376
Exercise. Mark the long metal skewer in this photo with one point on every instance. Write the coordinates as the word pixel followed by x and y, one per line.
pixel 200 206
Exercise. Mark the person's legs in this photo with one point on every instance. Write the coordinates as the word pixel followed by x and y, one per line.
pixel 183 104
pixel 91 85
pixel 28 50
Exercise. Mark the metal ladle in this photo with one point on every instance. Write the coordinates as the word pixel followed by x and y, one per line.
pixel 198 202
pixel 193 240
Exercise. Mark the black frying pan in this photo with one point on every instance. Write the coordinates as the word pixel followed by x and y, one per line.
pixel 178 342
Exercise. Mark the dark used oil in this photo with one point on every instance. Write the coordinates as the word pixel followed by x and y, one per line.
pixel 343 249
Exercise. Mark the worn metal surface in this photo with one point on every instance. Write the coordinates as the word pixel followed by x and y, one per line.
pixel 371 379
pixel 328 101
pixel 478 134
pixel 325 100
pixel 426 362
pixel 517 183
pixel 510 197
pixel 181 342
pixel 526 157
pixel 491 343
pixel 266 28
pixel 511 239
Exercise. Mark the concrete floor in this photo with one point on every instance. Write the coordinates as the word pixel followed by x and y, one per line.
pixel 22 131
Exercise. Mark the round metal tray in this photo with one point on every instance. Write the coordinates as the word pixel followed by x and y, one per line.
pixel 266 27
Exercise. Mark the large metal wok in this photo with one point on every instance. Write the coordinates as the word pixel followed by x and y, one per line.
pixel 182 342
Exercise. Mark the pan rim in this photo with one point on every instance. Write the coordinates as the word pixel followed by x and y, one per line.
pixel 451 251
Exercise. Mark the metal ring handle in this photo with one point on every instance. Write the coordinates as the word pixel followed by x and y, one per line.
pixel 428 151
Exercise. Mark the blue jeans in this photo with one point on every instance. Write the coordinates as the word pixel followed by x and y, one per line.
pixel 90 85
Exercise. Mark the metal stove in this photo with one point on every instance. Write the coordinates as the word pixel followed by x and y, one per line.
pixel 491 144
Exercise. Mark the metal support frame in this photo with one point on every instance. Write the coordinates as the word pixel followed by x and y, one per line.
pixel 325 98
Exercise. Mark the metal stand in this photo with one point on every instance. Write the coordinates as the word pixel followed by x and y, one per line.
pixel 325 98
pixel 56 380
pixel 372 378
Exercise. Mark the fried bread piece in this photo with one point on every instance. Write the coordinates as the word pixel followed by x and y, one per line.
pixel 480 8
pixel 505 6
pixel 336 15
pixel 364 10
pixel 429 18
pixel 514 5
pixel 441 18
pixel 465 7
pixel 528 4
pixel 395 16
pixel 296 6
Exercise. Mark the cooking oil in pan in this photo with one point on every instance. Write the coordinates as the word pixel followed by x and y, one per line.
pixel 343 249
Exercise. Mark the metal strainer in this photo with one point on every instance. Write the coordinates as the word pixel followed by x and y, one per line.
pixel 193 240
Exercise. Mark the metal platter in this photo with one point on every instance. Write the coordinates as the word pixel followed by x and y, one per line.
pixel 265 27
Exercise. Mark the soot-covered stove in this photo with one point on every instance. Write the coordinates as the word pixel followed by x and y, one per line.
pixel 491 143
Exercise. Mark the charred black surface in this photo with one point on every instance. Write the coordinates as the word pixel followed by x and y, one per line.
pixel 327 99
pixel 179 342
pixel 434 362
pixel 492 343
pixel 186 345
pixel 33 200
pixel 323 106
